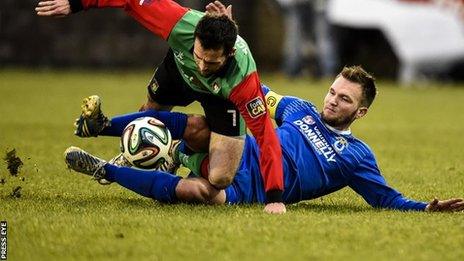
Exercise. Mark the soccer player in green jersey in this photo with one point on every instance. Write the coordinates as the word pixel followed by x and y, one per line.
pixel 207 62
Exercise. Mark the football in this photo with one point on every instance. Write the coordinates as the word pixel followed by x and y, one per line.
pixel 145 143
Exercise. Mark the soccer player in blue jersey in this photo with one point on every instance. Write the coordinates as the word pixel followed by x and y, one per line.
pixel 319 153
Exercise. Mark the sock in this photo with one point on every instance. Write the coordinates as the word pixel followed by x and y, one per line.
pixel 182 148
pixel 153 184
pixel 174 121
pixel 196 162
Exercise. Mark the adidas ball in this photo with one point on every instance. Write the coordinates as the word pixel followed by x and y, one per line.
pixel 145 143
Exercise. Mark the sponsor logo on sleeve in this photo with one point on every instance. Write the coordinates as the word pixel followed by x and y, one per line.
pixel 256 107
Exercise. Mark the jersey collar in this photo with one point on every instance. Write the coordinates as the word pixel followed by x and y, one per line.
pixel 339 132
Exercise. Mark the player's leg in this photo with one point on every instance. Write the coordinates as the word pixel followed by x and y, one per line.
pixel 182 126
pixel 176 122
pixel 158 185
pixel 190 127
pixel 198 163
pixel 227 139
pixel 168 88
pixel 225 154
pixel 151 104
pixel 165 90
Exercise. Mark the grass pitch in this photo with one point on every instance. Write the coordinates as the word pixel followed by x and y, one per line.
pixel 416 134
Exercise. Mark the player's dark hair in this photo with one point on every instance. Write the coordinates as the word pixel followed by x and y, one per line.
pixel 216 32
pixel 358 75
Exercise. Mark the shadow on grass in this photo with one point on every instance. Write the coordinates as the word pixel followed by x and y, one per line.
pixel 325 208
pixel 79 200
pixel 140 203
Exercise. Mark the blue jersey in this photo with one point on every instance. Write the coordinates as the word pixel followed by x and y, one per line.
pixel 317 160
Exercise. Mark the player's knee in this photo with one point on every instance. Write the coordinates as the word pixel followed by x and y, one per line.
pixel 197 133
pixel 150 104
pixel 197 128
pixel 220 181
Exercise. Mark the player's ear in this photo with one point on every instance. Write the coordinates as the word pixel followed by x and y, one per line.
pixel 361 112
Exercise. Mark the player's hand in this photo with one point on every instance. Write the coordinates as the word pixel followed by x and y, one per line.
pixel 217 8
pixel 275 208
pixel 454 204
pixel 55 8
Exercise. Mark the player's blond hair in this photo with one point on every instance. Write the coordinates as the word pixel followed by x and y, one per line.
pixel 358 75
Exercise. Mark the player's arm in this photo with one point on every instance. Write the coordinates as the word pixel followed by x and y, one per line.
pixel 277 104
pixel 249 99
pixel 367 181
pixel 371 185
pixel 375 191
pixel 157 16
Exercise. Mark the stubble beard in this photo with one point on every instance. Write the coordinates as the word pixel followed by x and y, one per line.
pixel 339 122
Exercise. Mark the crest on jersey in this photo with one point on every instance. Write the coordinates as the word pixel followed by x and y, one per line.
pixel 256 107
pixel 153 85
pixel 216 87
pixel 340 144
pixel 179 57
pixel 309 120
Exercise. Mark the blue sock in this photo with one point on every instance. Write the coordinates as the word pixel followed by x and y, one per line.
pixel 183 148
pixel 153 184
pixel 174 121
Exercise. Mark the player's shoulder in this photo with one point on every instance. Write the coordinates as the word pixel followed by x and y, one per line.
pixel 191 18
pixel 242 50
pixel 243 58
pixel 304 108
pixel 182 34
pixel 360 147
pixel 240 67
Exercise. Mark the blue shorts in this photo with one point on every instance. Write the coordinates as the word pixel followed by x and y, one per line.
pixel 248 186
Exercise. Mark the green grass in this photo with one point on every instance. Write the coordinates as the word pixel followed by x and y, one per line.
pixel 415 132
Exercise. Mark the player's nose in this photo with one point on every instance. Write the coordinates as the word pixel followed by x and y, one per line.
pixel 202 66
pixel 333 101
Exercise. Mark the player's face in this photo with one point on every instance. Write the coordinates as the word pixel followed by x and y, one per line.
pixel 208 61
pixel 342 104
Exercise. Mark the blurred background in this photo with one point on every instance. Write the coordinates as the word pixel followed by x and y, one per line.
pixel 403 40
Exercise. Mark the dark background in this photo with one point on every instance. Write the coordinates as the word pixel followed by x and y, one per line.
pixel 108 39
